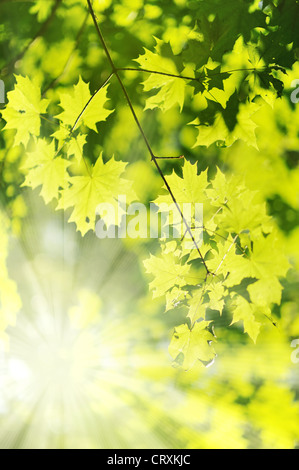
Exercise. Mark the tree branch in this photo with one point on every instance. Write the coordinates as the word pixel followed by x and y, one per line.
pixel 153 157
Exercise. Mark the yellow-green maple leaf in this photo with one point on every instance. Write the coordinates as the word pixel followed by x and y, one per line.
pixel 103 185
pixel 75 147
pixel 172 90
pixel 197 309
pixel 198 304
pixel 242 212
pixel 79 101
pixel 219 132
pixel 174 297
pixel 194 344
pixel 248 314
pixel 168 272
pixel 72 144
pixel 44 169
pixel 24 109
pixel 188 189
pixel 265 291
pixel 223 257
pixel 224 188
pixel 216 292
pixel 264 261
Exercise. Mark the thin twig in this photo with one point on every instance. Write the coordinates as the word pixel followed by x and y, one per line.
pixel 156 72
pixel 153 157
pixel 184 77
pixel 169 158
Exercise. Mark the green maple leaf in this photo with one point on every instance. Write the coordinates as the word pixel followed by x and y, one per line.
pixel 223 188
pixel 188 189
pixel 172 90
pixel 265 291
pixel 209 134
pixel 242 213
pixel 283 34
pixel 199 84
pixel 72 143
pixel 193 345
pixel 221 23
pixel 248 313
pixel 224 132
pixel 24 109
pixel 168 272
pixel 245 126
pixel 102 185
pixel 44 169
pixel 215 77
pixel 74 103
pixel 199 46
pixel 216 292
pixel 264 261
pixel 42 9
pixel 197 308
pixel 267 258
pixel 174 297
pixel 62 135
pixel 223 257
pixel 75 146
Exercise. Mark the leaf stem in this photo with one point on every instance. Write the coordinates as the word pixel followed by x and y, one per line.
pixel 79 117
pixel 166 74
pixel 90 99
pixel 185 77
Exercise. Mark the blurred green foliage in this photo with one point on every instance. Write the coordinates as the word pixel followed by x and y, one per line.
pixel 89 298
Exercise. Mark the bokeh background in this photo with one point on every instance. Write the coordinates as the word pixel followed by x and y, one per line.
pixel 84 359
